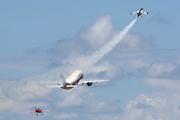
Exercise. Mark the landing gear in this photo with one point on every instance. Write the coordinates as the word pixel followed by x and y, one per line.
pixel 37 114
pixel 41 113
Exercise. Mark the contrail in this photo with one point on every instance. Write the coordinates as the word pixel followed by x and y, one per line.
pixel 16 91
pixel 13 92
pixel 110 45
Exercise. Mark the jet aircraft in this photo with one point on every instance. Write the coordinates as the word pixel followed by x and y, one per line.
pixel 139 13
pixel 72 81
pixel 38 110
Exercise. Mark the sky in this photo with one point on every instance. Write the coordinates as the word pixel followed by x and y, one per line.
pixel 37 38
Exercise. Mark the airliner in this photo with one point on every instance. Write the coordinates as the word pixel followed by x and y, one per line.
pixel 72 81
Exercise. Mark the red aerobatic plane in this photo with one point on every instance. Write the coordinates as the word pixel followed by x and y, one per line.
pixel 38 111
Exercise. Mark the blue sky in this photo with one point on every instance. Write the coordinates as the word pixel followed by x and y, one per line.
pixel 37 38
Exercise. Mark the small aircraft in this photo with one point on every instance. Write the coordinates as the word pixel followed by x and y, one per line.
pixel 72 81
pixel 139 13
pixel 38 110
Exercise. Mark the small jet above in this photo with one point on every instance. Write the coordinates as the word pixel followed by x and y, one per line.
pixel 38 110
pixel 139 13
pixel 72 81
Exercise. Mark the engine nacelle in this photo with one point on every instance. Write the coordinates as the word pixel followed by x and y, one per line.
pixel 89 83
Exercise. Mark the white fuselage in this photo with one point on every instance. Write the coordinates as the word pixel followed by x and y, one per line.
pixel 73 79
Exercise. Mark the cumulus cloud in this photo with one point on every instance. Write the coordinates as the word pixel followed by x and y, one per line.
pixel 82 100
pixel 162 105
pixel 161 70
pixel 99 33
pixel 68 47
pixel 105 66
pixel 135 42
pixel 155 107
pixel 168 84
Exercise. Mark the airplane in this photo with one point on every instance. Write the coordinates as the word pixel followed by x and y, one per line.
pixel 72 81
pixel 38 111
pixel 139 13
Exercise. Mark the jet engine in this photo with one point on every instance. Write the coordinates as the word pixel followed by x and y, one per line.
pixel 89 83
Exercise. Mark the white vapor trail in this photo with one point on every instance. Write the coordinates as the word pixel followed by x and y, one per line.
pixel 110 45
pixel 13 92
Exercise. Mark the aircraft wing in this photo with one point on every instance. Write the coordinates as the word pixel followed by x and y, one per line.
pixel 32 111
pixel 91 81
pixel 59 86
pixel 46 111
pixel 135 12
pixel 145 12
pixel 46 82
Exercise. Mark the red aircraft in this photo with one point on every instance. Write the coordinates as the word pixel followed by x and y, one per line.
pixel 38 111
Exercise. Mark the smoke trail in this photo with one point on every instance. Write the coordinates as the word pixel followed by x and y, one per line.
pixel 14 92
pixel 110 45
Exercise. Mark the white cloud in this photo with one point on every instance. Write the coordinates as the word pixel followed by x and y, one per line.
pixel 156 107
pixel 135 42
pixel 63 116
pixel 161 70
pixel 100 32
pixel 138 63
pixel 158 68
pixel 15 92
pixel 10 97
pixel 104 117
pixel 163 83
pixel 81 97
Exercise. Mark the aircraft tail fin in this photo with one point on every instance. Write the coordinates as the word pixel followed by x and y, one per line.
pixel 63 79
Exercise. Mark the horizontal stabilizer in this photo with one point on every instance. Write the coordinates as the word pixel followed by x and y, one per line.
pixel 46 82
pixel 57 86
